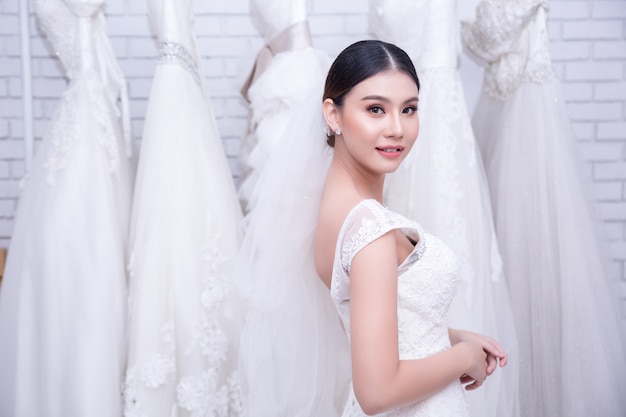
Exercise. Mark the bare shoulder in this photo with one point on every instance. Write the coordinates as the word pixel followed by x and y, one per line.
pixel 334 208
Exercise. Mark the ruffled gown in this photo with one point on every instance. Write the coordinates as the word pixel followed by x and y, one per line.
pixel 285 71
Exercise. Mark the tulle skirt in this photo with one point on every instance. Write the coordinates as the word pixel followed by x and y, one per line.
pixel 442 185
pixel 571 339
pixel 185 233
pixel 274 99
pixel 63 297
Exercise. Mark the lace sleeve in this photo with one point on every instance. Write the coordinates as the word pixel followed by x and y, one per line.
pixel 367 221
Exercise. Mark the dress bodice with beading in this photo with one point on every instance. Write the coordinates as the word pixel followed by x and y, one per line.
pixel 431 41
pixel 171 24
pixel 511 39
pixel 427 283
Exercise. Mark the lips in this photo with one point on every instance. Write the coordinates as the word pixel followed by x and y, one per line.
pixel 390 149
pixel 390 152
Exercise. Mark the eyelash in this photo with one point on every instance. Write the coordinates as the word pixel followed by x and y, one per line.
pixel 413 109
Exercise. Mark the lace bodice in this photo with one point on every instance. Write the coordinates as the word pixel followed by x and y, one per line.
pixel 76 31
pixel 431 41
pixel 427 283
pixel 511 39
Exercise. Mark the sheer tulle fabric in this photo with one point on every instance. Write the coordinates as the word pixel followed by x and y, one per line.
pixel 185 235
pixel 571 346
pixel 564 300
pixel 63 296
pixel 294 356
pixel 286 69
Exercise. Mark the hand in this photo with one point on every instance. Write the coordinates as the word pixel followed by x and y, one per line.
pixel 477 371
pixel 495 352
pixel 492 349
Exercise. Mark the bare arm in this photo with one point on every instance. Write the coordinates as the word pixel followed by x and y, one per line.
pixel 381 380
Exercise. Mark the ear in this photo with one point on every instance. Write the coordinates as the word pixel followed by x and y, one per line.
pixel 331 114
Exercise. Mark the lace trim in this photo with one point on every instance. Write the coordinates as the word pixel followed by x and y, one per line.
pixel 371 228
pixel 65 127
pixel 173 53
pixel 64 133
pixel 204 394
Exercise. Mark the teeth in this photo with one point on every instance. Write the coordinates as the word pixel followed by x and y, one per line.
pixel 390 150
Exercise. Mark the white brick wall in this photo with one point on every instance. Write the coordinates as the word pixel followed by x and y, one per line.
pixel 588 43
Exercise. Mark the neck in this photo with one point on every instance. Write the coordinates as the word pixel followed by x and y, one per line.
pixel 366 183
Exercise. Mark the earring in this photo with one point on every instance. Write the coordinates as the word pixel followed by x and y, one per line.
pixel 327 131
pixel 338 132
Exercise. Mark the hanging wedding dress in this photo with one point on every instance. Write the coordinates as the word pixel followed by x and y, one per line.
pixel 63 298
pixel 185 233
pixel 284 72
pixel 569 331
pixel 442 185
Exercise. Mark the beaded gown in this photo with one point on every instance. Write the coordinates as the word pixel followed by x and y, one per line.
pixel 185 233
pixel 442 184
pixel 564 306
pixel 63 297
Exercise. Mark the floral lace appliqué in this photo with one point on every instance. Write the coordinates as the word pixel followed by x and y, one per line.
pixel 206 392
pixel 504 38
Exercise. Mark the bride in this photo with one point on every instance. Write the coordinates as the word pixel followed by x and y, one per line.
pixel 390 281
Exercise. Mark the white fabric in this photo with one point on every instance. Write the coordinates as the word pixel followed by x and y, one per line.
pixel 185 234
pixel 271 17
pixel 294 357
pixel 442 185
pixel 427 283
pixel 63 297
pixel 571 338
pixel 276 94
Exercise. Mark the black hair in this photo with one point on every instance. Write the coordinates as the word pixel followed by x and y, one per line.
pixel 360 61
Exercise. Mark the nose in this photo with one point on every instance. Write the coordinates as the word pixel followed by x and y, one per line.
pixel 395 129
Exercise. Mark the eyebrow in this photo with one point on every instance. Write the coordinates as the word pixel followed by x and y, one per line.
pixel 385 99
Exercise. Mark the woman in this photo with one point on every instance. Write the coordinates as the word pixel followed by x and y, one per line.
pixel 401 353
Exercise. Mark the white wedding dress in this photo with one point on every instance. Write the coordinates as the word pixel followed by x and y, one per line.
pixel 427 283
pixel 185 233
pixel 63 297
pixel 442 184
pixel 571 352
pixel 285 71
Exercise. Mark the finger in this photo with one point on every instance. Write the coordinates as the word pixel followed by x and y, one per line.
pixel 493 347
pixel 492 364
pixel 504 360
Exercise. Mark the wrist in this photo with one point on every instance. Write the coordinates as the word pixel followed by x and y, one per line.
pixel 454 336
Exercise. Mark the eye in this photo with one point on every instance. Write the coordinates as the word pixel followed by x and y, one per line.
pixel 376 109
pixel 409 110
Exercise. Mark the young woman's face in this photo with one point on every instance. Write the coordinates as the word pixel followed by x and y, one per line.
pixel 379 121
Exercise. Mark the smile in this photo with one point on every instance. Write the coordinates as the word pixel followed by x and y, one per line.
pixel 390 151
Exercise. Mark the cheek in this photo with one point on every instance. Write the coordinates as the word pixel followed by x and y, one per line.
pixel 362 127
pixel 412 132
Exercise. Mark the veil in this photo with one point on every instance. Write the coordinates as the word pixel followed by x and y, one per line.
pixel 294 355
